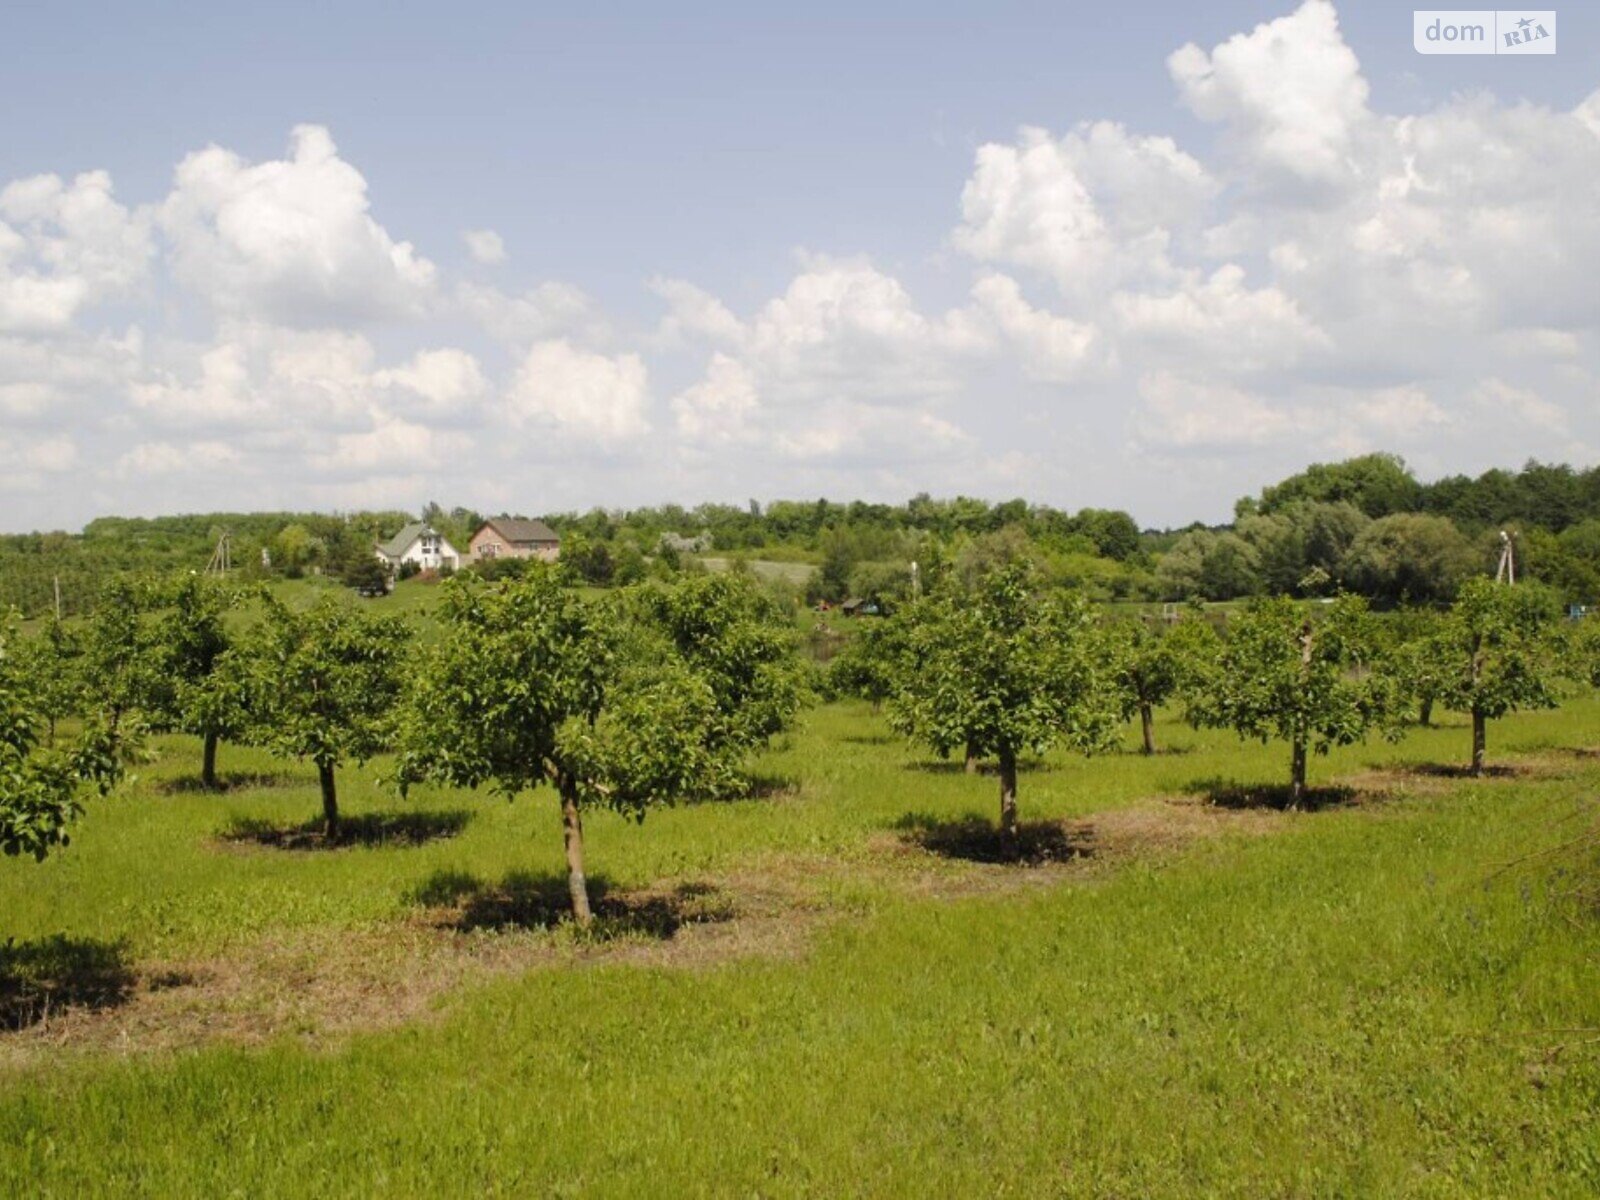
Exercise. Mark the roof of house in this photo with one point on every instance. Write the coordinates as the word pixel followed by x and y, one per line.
pixel 401 542
pixel 521 529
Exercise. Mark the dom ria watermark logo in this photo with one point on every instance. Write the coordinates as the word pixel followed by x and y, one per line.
pixel 1484 31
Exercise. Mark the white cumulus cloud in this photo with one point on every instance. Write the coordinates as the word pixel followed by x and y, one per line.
pixel 1313 276
pixel 63 248
pixel 1220 318
pixel 721 407
pixel 1088 209
pixel 577 392
pixel 440 384
pixel 289 240
pixel 1290 94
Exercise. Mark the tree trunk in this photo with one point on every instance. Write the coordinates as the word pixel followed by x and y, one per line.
pixel 1297 762
pixel 1425 715
pixel 330 802
pixel 208 763
pixel 972 757
pixel 1297 774
pixel 1147 720
pixel 1008 798
pixel 572 827
pixel 1479 735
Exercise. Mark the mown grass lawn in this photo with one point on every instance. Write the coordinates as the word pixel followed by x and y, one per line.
pixel 1362 1000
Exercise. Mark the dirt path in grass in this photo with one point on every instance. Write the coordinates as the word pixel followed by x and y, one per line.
pixel 320 986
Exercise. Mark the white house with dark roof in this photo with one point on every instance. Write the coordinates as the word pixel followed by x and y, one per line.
pixel 421 544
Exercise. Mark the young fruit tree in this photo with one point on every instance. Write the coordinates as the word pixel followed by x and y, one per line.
pixel 1306 679
pixel 627 703
pixel 118 676
pixel 40 786
pixel 730 634
pixel 1004 669
pixel 53 661
pixel 1579 650
pixel 869 666
pixel 1148 664
pixel 324 685
pixel 1499 655
pixel 947 713
pixel 1418 660
pixel 196 688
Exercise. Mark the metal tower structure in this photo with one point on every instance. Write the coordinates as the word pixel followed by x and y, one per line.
pixel 1506 572
pixel 222 557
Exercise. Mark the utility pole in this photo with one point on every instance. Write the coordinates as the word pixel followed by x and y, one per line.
pixel 222 557
pixel 56 579
pixel 1506 572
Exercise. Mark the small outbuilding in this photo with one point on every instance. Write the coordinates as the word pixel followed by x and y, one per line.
pixel 858 607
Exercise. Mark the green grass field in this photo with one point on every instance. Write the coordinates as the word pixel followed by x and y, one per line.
pixel 818 991
pixel 794 573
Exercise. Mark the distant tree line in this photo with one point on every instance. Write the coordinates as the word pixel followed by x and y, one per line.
pixel 36 567
pixel 1368 526
pixel 1365 525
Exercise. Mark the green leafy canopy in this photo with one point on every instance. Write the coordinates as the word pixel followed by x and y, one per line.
pixel 323 684
pixel 652 694
pixel 40 786
pixel 1286 672
pixel 1002 669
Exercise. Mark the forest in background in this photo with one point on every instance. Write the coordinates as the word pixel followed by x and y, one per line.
pixel 1365 525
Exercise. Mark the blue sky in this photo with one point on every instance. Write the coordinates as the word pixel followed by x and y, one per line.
pixel 754 252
